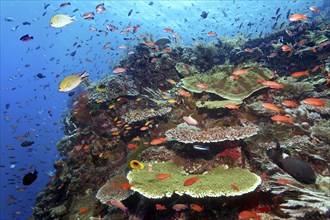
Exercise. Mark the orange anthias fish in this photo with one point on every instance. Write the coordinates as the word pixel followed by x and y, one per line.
pixel 314 102
pixel 286 48
pixel 240 72
pixel 132 146
pixel 283 181
pixel 160 207
pixel 299 74
pixel 158 141
pixel 234 187
pixel 212 34
pixel 232 106
pixel 126 186
pixel 83 210
pixel 184 93
pixel 290 103
pixel 162 176
pixel 196 207
pixel 119 70
pixel 273 85
pixel 298 17
pixel 191 181
pixel 202 86
pixel 271 107
pixel 168 30
pixel 314 9
pixel 248 215
pixel 281 118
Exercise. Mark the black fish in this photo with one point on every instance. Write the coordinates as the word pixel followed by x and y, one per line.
pixel 288 13
pixel 204 14
pixel 40 76
pixel 26 38
pixel 75 10
pixel 71 94
pixel 151 3
pixel 46 6
pixel 130 12
pixel 29 178
pixel 27 143
pixel 298 169
pixel 278 10
pixel 26 23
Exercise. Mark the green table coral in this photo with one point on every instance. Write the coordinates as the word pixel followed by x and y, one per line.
pixel 219 182
pixel 219 82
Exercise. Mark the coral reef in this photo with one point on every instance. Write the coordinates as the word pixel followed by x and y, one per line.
pixel 216 104
pixel 186 134
pixel 216 183
pixel 112 190
pixel 144 114
pixel 218 81
pixel 115 86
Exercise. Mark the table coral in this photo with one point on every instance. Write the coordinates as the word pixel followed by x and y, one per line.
pixel 218 182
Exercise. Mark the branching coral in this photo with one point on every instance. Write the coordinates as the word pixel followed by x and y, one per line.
pixel 218 182
pixel 295 87
pixel 321 129
pixel 144 114
pixel 209 135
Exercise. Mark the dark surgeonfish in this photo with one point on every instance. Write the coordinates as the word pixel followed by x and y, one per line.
pixel 204 14
pixel 29 178
pixel 27 143
pixel 298 169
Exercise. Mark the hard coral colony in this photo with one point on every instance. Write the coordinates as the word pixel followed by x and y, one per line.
pixel 203 117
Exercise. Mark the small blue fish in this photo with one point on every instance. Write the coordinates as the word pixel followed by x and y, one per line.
pixel 201 147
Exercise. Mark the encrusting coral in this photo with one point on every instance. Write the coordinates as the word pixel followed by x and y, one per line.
pixel 144 114
pixel 219 82
pixel 190 134
pixel 219 182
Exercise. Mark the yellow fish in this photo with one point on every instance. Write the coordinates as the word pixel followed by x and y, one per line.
pixel 72 81
pixel 101 88
pixel 61 20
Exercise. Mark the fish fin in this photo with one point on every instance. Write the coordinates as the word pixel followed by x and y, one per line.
pixel 84 74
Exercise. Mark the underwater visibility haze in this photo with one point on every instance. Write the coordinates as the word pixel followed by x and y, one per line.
pixel 165 109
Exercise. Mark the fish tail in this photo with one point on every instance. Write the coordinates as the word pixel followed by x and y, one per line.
pixel 73 18
pixel 84 74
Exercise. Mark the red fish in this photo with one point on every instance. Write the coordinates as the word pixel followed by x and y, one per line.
pixel 212 34
pixel 132 146
pixel 281 118
pixel 314 9
pixel 286 48
pixel 179 207
pixel 290 103
pixel 271 107
pixel 191 181
pixel 158 141
pixel 299 74
pixel 248 215
pixel 119 70
pixel 162 176
pixel 283 181
pixel 234 187
pixel 298 17
pixel 168 30
pixel 196 207
pixel 186 67
pixel 273 85
pixel 316 102
pixel 83 209
pixel 202 86
pixel 126 186
pixel 232 106
pixel 160 207
pixel 240 72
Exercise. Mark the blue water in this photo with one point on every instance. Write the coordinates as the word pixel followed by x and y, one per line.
pixel 34 105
